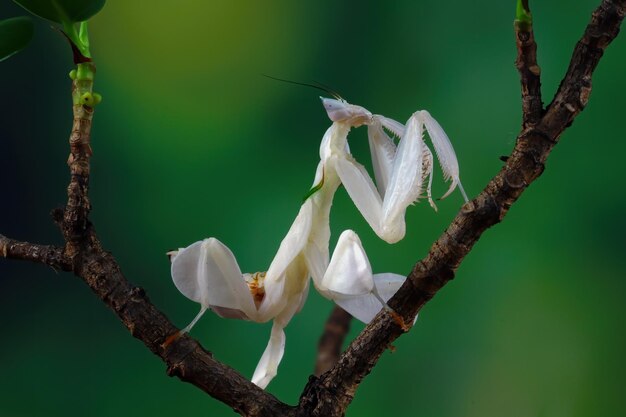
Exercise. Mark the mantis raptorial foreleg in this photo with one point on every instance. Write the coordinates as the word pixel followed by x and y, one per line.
pixel 441 142
pixel 400 171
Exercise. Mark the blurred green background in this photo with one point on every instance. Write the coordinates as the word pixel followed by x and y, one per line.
pixel 191 141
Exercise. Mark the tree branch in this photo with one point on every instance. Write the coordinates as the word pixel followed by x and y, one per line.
pixel 329 346
pixel 184 356
pixel 333 392
pixel 526 64
pixel 76 215
pixel 42 254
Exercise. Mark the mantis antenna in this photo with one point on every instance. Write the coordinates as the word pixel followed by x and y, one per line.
pixel 317 85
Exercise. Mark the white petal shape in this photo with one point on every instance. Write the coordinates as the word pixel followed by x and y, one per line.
pixel 207 273
pixel 303 297
pixel 279 295
pixel 383 152
pixel 445 151
pixel 317 263
pixel 365 307
pixel 349 272
pixel 290 247
pixel 231 313
pixel 361 189
pixel 406 179
pixel 292 244
pixel 267 368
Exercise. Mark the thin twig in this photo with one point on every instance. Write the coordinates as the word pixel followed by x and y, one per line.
pixel 76 216
pixel 529 71
pixel 43 254
pixel 329 347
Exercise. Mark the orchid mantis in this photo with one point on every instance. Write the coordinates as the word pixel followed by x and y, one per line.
pixel 207 272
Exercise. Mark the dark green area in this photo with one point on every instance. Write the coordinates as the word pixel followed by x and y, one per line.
pixel 191 142
pixel 15 34
pixel 63 10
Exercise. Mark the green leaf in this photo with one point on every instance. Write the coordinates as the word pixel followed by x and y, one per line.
pixel 60 11
pixel 15 34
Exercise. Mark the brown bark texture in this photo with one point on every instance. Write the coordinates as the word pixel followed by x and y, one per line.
pixel 337 376
pixel 329 347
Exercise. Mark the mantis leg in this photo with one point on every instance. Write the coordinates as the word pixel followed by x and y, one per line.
pixel 267 367
pixel 439 138
pixel 386 215
pixel 365 307
pixel 206 272
pixel 349 281
pixel 444 150
pixel 401 172
pixel 383 152
pixel 288 267
pixel 349 272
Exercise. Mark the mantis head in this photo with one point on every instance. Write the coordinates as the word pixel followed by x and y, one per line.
pixel 342 111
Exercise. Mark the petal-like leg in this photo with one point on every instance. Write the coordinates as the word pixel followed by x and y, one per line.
pixel 293 243
pixel 207 273
pixel 317 263
pixel 349 272
pixel 293 284
pixel 365 307
pixel 386 216
pixel 267 368
pixel 291 247
pixel 383 152
pixel 406 179
pixel 444 150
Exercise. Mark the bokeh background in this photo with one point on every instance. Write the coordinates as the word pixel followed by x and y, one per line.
pixel 191 141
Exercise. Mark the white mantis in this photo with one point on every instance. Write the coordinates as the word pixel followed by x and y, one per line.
pixel 207 272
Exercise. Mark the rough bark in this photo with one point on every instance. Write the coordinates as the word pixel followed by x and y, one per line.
pixel 329 347
pixel 529 71
pixel 76 216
